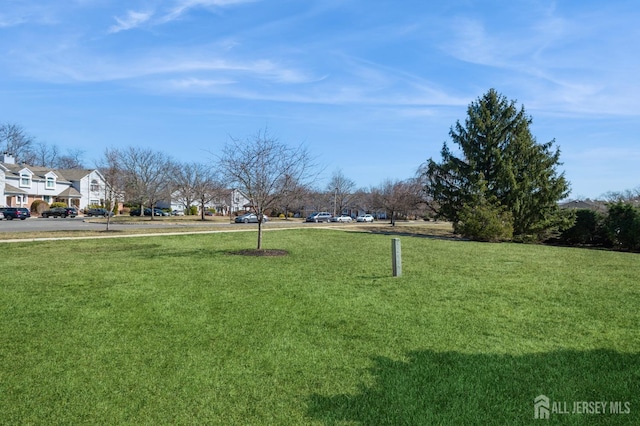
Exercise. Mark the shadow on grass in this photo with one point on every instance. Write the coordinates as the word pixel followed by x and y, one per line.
pixel 430 235
pixel 455 388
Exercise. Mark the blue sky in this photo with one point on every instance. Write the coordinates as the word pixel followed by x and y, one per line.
pixel 372 87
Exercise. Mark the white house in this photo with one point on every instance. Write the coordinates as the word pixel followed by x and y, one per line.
pixel 21 184
pixel 231 201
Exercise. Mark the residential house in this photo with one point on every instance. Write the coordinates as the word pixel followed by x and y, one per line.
pixel 21 184
pixel 232 201
pixel 599 206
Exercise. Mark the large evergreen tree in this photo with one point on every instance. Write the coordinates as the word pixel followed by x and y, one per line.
pixel 499 166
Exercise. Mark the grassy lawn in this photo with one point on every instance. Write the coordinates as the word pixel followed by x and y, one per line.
pixel 174 329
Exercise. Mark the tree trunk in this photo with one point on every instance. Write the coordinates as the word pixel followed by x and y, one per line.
pixel 260 233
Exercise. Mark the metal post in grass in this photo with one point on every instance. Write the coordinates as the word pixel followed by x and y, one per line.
pixel 396 257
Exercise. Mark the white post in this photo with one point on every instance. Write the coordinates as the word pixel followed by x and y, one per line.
pixel 396 257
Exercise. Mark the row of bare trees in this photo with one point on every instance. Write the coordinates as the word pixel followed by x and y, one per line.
pixel 15 140
pixel 144 177
pixel 274 177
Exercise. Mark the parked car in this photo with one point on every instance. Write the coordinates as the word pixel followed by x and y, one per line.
pixel 177 213
pixel 250 218
pixel 136 212
pixel 344 218
pixel 60 212
pixel 147 212
pixel 98 212
pixel 319 217
pixel 364 218
pixel 1 215
pixel 11 213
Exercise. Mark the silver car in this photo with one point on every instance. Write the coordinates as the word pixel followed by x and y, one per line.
pixel 365 218
pixel 319 217
pixel 343 218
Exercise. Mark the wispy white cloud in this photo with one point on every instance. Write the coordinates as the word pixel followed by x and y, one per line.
pixel 178 9
pixel 182 7
pixel 10 21
pixel 131 20
pixel 569 64
pixel 25 13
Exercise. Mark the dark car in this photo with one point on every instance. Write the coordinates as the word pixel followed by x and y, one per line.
pixel 11 213
pixel 136 212
pixel 98 212
pixel 60 212
pixel 249 218
pixel 147 212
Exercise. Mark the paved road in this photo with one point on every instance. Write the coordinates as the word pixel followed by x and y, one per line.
pixel 36 224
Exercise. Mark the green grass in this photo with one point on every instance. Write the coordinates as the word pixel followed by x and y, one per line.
pixel 174 329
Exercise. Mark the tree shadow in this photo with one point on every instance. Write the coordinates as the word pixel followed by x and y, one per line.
pixel 455 388
pixel 418 234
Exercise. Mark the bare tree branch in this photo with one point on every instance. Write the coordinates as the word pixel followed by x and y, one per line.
pixel 264 170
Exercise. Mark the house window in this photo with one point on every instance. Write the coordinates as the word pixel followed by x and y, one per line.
pixel 25 180
pixel 94 186
pixel 51 183
pixel 46 199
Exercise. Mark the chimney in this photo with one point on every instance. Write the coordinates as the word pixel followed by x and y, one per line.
pixel 7 158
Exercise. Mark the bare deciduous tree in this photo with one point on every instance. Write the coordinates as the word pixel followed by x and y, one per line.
pixel 189 181
pixel 109 167
pixel 71 160
pixel 259 167
pixel 42 154
pixel 147 176
pixel 341 189
pixel 397 198
pixel 293 196
pixel 628 196
pixel 47 155
pixel 15 140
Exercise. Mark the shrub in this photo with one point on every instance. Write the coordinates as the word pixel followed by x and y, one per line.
pixel 588 228
pixel 38 206
pixel 58 204
pixel 192 211
pixel 623 226
pixel 484 222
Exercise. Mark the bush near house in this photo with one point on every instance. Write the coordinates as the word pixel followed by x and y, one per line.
pixel 38 206
pixel 58 204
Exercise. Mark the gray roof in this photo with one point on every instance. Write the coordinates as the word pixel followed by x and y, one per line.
pixel 70 192
pixel 10 189
pixel 63 174
pixel 584 204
